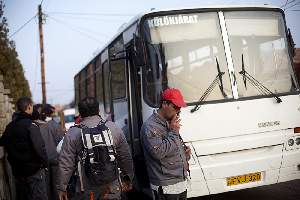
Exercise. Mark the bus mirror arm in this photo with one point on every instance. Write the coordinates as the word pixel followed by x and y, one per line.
pixel 291 42
pixel 136 50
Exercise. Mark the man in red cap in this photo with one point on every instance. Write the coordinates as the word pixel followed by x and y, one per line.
pixel 165 154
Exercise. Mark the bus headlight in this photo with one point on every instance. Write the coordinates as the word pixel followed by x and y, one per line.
pixel 291 142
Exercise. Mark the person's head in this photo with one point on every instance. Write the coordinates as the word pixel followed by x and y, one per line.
pixel 25 104
pixel 89 106
pixel 48 110
pixel 171 103
pixel 38 107
pixel 36 115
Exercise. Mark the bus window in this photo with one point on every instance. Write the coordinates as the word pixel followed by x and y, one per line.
pixel 90 80
pixel 83 86
pixel 260 37
pixel 77 88
pixel 99 81
pixel 118 80
pixel 187 60
pixel 106 88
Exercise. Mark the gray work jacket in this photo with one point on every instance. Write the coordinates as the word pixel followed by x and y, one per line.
pixel 163 152
pixel 73 145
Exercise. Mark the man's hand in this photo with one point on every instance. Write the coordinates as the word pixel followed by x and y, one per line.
pixel 188 152
pixel 62 195
pixel 175 124
pixel 126 186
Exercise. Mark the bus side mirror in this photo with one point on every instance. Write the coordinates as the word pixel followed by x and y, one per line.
pixel 137 51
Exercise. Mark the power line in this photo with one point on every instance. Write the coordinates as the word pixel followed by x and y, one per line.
pixel 19 29
pixel 85 29
pixel 293 5
pixel 287 3
pixel 90 18
pixel 74 29
pixel 93 14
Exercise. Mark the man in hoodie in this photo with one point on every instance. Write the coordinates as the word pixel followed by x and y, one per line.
pixel 165 153
pixel 26 151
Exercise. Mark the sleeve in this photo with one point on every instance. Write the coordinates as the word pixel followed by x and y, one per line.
pixel 157 145
pixel 59 132
pixel 38 143
pixel 67 160
pixel 124 157
pixel 3 138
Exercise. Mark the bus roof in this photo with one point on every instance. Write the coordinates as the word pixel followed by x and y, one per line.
pixel 136 18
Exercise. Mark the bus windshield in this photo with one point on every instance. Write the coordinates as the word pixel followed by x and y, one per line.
pixel 183 49
pixel 260 37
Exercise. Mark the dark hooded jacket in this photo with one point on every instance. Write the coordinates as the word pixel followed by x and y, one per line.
pixel 24 145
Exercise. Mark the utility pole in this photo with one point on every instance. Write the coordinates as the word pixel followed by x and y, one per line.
pixel 40 13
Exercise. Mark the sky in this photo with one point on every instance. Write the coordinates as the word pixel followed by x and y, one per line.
pixel 71 40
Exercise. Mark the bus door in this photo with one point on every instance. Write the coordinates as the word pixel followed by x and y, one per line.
pixel 119 93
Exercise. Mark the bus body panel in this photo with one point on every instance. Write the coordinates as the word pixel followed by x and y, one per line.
pixel 233 118
pixel 237 143
pixel 218 167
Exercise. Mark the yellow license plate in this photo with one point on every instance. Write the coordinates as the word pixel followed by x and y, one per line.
pixel 247 178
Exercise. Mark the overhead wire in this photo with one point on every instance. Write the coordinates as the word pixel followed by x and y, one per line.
pixel 84 29
pixel 93 14
pixel 287 2
pixel 293 5
pixel 21 27
pixel 75 29
pixel 89 18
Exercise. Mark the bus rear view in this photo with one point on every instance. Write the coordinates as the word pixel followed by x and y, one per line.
pixel 234 68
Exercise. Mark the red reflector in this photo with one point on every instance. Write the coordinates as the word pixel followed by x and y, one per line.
pixel 297 130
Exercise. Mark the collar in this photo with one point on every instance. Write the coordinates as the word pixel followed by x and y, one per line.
pixel 91 120
pixel 160 119
pixel 22 115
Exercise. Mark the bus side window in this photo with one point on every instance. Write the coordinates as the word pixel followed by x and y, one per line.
pixel 106 84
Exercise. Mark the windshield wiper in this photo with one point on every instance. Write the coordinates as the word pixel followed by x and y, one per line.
pixel 256 83
pixel 210 88
pixel 220 74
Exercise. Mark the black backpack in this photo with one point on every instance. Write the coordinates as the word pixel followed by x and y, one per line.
pixel 98 154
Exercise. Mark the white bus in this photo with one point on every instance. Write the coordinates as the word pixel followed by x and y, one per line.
pixel 234 67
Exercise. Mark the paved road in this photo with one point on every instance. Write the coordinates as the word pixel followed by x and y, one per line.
pixel 281 191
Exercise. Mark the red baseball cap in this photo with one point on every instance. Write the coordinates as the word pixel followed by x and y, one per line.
pixel 175 96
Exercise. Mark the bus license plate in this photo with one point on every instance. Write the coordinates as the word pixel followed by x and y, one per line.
pixel 247 178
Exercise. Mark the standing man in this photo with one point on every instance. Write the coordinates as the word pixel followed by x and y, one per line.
pixel 165 153
pixel 95 149
pixel 26 151
pixel 52 134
